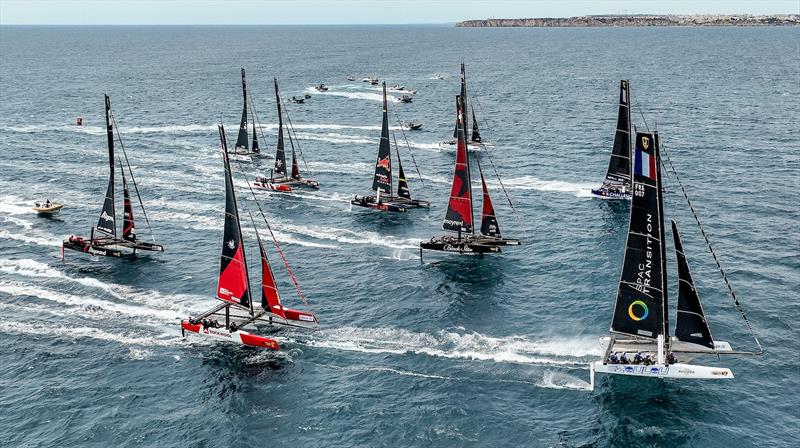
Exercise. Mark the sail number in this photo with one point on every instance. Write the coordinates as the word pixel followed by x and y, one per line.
pixel 638 190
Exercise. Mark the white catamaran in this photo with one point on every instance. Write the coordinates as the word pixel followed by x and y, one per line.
pixel 617 184
pixel 237 309
pixel 640 343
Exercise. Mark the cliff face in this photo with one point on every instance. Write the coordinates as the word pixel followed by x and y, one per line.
pixel 641 20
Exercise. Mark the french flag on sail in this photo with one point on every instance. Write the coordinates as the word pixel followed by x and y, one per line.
pixel 645 164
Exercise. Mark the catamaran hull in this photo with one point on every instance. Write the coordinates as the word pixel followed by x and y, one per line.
pixel 457 247
pixel 605 194
pixel 288 186
pixel 471 146
pixel 238 336
pixel 119 249
pixel 675 371
pixel 369 202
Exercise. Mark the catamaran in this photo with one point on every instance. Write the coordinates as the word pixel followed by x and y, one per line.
pixel 382 180
pixel 103 240
pixel 237 309
pixel 278 179
pixel 459 215
pixel 475 139
pixel 617 184
pixel 242 147
pixel 640 343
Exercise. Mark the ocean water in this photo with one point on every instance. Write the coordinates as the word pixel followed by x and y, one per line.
pixel 452 352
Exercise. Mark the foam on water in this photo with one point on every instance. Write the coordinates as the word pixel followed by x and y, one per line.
pixel 354 95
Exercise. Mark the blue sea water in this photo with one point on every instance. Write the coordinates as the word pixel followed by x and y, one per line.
pixel 455 351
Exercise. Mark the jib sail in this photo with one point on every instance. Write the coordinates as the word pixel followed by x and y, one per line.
pixel 106 222
pixel 459 210
pixel 619 167
pixel 241 141
pixel 234 284
pixel 270 298
pixel 128 229
pixel 295 166
pixel 255 138
pixel 382 181
pixel 476 133
pixel 402 185
pixel 489 224
pixel 641 297
pixel 690 325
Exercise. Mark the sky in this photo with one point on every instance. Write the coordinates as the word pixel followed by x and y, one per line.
pixel 287 12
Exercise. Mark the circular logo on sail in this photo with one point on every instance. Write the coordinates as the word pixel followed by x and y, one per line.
pixel 232 244
pixel 643 312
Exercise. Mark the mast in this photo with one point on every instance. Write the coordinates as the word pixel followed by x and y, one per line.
pixel 619 166
pixel 489 225
pixel 402 185
pixel 641 296
pixel 280 154
pixel 664 306
pixel 476 133
pixel 128 229
pixel 458 217
pixel 234 282
pixel 106 223
pixel 463 95
pixel 382 181
pixel 241 140
pixel 690 325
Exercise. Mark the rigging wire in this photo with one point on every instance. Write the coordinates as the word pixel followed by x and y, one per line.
pixel 494 168
pixel 400 123
pixel 705 237
pixel 133 179
pixel 272 234
pixel 293 131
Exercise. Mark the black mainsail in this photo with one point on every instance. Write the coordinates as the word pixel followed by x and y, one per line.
pixel 463 103
pixel 619 167
pixel 280 154
pixel 106 222
pixel 382 180
pixel 241 140
pixel 690 325
pixel 641 303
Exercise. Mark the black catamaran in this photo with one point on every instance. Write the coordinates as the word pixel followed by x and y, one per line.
pixel 280 179
pixel 384 198
pixel 103 239
pixel 617 184
pixel 475 141
pixel 242 141
pixel 640 344
pixel 233 288
pixel 459 215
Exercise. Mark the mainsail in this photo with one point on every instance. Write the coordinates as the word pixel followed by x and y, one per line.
pixel 280 155
pixel 234 283
pixel 106 222
pixel 128 229
pixel 641 304
pixel 489 224
pixel 690 325
pixel 476 133
pixel 619 167
pixel 382 181
pixel 241 141
pixel 459 210
pixel 463 102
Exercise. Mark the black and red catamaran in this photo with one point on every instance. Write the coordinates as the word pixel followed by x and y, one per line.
pixel 242 141
pixel 103 240
pixel 475 140
pixel 280 179
pixel 237 308
pixel 459 215
pixel 617 184
pixel 384 198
